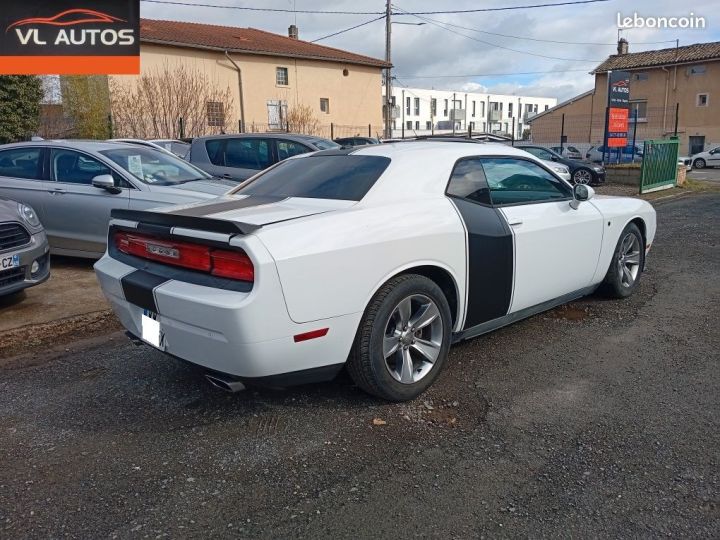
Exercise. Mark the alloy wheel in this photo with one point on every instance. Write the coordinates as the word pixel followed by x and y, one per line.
pixel 413 338
pixel 582 176
pixel 629 260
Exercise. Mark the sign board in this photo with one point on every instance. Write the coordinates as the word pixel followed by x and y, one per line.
pixel 616 128
pixel 70 37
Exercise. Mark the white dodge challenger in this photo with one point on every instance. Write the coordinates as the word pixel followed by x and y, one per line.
pixel 377 258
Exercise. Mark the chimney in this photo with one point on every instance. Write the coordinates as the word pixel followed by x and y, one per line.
pixel 622 46
pixel 293 31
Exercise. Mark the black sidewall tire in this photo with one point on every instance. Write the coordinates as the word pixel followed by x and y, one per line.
pixel 612 285
pixel 592 176
pixel 699 164
pixel 367 365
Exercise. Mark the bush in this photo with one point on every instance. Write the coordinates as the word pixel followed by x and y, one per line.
pixel 20 97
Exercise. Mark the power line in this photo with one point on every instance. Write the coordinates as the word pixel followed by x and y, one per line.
pixel 348 29
pixel 442 25
pixel 333 12
pixel 545 40
pixel 264 9
pixel 506 8
pixel 494 74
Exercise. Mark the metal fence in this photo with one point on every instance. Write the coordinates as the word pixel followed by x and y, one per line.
pixel 659 165
pixel 328 131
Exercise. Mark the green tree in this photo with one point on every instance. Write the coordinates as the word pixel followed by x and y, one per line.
pixel 86 102
pixel 20 97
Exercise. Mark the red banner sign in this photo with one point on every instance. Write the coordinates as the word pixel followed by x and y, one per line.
pixel 617 127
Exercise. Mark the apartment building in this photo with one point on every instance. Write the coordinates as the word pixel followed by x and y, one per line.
pixel 422 111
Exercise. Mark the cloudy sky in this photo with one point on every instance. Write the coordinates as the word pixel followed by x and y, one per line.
pixel 436 55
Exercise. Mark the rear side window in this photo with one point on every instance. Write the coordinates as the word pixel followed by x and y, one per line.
pixel 468 181
pixel 247 154
pixel 342 177
pixel 20 163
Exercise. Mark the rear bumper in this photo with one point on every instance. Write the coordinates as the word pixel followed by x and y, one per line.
pixel 22 277
pixel 247 335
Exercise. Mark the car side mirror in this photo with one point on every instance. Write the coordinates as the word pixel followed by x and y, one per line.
pixel 581 193
pixel 106 182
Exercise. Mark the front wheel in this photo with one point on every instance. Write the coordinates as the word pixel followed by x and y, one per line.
pixel 627 264
pixel 583 176
pixel 699 164
pixel 403 339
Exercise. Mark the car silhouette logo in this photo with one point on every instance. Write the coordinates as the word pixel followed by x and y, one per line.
pixel 620 83
pixel 69 17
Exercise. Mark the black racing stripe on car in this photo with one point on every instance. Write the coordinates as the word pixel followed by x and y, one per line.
pixel 490 262
pixel 209 208
pixel 138 288
pixel 158 230
pixel 186 222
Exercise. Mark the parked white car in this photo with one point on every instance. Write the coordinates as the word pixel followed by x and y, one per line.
pixel 711 158
pixel 378 258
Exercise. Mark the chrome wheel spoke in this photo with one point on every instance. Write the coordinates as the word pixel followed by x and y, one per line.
pixel 407 367
pixel 428 349
pixel 424 316
pixel 391 344
pixel 404 311
pixel 627 275
pixel 632 258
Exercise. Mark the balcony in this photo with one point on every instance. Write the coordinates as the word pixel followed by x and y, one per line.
pixel 495 115
pixel 529 115
pixel 394 111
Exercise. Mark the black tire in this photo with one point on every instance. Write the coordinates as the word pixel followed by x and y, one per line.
pixel 583 175
pixel 368 366
pixel 614 285
pixel 699 163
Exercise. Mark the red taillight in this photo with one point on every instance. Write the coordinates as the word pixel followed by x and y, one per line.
pixel 218 262
pixel 232 264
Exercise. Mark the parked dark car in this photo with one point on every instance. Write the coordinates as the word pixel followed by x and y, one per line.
pixel 356 141
pixel 24 249
pixel 240 156
pixel 581 172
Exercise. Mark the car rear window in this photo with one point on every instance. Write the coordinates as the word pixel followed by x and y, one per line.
pixel 342 177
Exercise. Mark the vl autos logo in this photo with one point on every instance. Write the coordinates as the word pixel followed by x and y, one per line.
pixel 70 37
pixel 31 30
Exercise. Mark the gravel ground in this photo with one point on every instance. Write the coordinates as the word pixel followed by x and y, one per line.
pixel 595 419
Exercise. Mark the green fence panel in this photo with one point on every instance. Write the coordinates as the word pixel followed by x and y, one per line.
pixel 659 165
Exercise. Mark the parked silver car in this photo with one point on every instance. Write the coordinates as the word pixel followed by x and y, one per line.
pixel 240 156
pixel 73 186
pixel 24 250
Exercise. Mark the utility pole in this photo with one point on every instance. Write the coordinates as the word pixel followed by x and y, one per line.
pixel 388 75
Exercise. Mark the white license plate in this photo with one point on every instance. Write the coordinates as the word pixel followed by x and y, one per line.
pixel 9 261
pixel 151 329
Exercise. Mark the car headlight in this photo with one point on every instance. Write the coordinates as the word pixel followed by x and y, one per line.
pixel 561 170
pixel 29 215
pixel 598 169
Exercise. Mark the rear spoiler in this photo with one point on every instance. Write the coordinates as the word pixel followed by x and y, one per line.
pixel 161 219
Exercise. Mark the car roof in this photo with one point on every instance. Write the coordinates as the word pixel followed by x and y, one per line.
pixel 270 135
pixel 78 144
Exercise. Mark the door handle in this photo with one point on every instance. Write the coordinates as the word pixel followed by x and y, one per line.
pixel 516 223
pixel 56 192
pixel 226 175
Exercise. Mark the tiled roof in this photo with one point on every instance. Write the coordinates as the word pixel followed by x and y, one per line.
pixel 662 57
pixel 245 40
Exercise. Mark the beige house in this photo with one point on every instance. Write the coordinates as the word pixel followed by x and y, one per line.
pixel 684 79
pixel 262 77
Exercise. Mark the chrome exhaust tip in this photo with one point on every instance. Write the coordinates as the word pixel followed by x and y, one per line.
pixel 229 385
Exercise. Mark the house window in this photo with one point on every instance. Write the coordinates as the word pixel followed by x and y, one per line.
pixel 417 124
pixel 510 109
pixel 428 125
pixel 641 108
pixel 325 105
pixel 472 125
pixel 408 124
pixel 641 77
pixel 433 107
pixel 702 100
pixel 281 76
pixel 696 70
pixel 417 106
pixel 445 111
pixel 482 108
pixel 407 106
pixel 216 113
pixel 473 109
pixel 392 100
pixel 547 107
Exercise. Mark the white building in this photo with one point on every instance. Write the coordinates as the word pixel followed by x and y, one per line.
pixel 419 111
